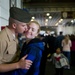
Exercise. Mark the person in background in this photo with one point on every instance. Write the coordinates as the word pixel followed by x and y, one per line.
pixel 66 45
pixel 44 56
pixel 58 40
pixel 8 42
pixel 59 69
pixel 46 40
pixel 34 48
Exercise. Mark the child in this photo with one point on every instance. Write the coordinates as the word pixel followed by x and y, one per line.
pixel 56 60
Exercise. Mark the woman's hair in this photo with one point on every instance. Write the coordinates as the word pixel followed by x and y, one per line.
pixel 36 24
pixel 66 39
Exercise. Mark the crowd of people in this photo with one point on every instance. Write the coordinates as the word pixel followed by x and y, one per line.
pixel 66 44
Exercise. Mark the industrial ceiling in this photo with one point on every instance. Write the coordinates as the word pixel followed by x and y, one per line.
pixel 58 9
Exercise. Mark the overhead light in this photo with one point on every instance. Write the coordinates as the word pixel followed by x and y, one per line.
pixel 46 24
pixel 60 20
pixel 33 17
pixel 56 24
pixel 72 21
pixel 48 14
pixel 50 17
pixel 46 20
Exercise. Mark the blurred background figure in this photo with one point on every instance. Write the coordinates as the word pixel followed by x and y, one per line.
pixel 66 44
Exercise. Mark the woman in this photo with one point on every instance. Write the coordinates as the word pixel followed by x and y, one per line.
pixel 66 44
pixel 34 48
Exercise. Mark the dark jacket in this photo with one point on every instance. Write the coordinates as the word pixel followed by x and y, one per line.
pixel 34 50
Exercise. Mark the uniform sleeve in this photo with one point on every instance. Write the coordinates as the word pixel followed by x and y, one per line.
pixel 3 47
